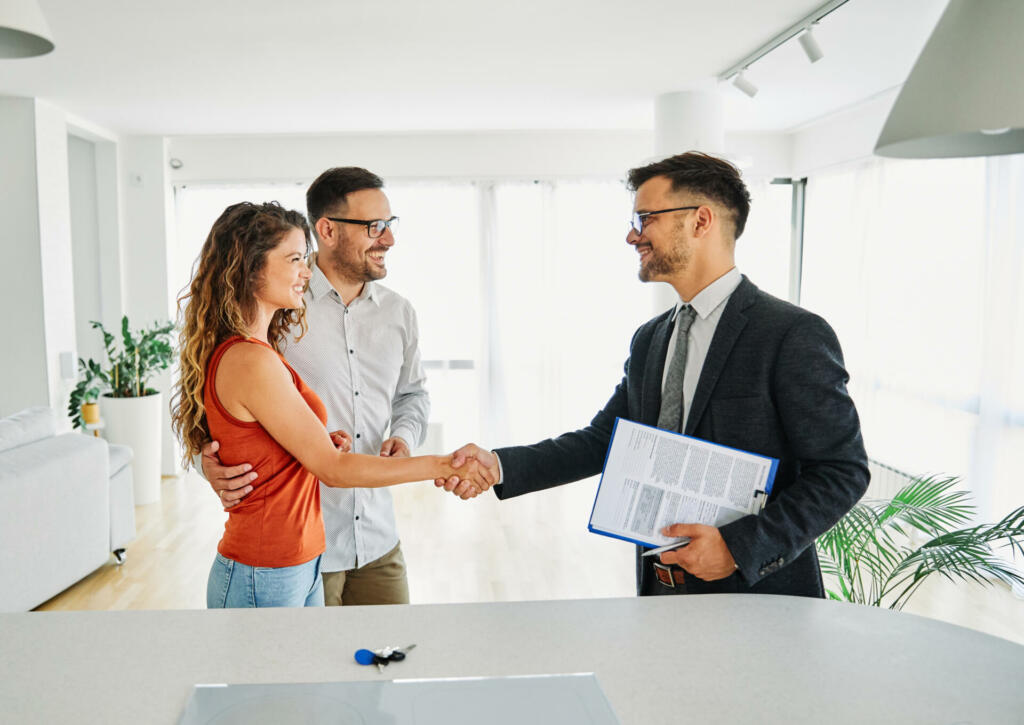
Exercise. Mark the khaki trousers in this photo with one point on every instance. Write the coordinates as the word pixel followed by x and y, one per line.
pixel 380 582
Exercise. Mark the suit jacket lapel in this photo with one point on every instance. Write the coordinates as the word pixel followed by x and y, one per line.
pixel 726 334
pixel 650 401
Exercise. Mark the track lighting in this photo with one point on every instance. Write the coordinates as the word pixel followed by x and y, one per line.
pixel 801 30
pixel 741 82
pixel 810 46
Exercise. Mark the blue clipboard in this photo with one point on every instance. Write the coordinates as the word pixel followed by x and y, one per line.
pixel 763 493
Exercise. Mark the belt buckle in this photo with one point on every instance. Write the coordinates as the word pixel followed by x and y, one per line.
pixel 671 583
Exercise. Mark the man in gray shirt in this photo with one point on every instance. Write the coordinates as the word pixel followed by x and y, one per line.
pixel 361 356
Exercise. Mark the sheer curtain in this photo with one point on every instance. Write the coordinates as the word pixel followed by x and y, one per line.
pixel 918 266
pixel 762 253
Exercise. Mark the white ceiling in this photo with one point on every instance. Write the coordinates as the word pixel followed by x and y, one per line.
pixel 321 66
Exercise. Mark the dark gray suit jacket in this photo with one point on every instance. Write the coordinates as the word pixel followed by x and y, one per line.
pixel 773 383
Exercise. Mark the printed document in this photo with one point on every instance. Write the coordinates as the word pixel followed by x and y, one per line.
pixel 653 478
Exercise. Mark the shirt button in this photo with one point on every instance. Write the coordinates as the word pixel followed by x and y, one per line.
pixel 350 351
pixel 357 435
pixel 357 518
pixel 357 392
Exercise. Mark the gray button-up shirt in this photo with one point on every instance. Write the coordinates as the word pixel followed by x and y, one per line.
pixel 363 360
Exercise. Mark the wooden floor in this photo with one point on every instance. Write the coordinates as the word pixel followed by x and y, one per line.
pixel 533 547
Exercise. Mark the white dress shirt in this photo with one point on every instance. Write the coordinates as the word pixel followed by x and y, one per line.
pixel 363 360
pixel 709 304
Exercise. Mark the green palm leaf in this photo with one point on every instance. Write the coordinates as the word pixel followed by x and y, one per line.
pixel 928 504
pixel 869 551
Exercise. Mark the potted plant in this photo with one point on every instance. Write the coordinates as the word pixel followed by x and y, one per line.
pixel 875 560
pixel 131 408
pixel 82 405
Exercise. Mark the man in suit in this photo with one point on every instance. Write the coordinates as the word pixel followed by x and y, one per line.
pixel 754 372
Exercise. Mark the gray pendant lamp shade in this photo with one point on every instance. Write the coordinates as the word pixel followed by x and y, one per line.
pixel 964 96
pixel 24 31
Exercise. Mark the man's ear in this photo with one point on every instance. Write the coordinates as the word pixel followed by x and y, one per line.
pixel 324 227
pixel 704 218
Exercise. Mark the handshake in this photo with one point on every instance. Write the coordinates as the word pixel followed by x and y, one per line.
pixel 472 470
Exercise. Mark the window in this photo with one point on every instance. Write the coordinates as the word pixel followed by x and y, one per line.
pixel 918 266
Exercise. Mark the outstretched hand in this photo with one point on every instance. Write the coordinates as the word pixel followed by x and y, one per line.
pixel 463 484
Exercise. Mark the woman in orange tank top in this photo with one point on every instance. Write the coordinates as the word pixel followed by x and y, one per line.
pixel 235 387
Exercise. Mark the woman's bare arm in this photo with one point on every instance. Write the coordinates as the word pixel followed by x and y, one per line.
pixel 252 382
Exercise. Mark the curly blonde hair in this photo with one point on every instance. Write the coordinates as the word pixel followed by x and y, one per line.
pixel 221 303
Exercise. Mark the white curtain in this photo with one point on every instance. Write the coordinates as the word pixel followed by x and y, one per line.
pixel 919 267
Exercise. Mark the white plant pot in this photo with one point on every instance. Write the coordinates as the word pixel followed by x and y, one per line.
pixel 136 423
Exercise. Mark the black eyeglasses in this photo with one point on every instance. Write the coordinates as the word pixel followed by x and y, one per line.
pixel 374 227
pixel 636 224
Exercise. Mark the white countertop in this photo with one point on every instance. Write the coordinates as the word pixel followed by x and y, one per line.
pixel 706 659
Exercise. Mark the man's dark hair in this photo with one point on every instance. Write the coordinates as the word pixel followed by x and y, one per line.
pixel 699 173
pixel 327 194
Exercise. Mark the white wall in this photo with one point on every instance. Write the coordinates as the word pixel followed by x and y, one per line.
pixel 24 368
pixel 36 279
pixel 147 227
pixel 104 194
pixel 508 154
pixel 85 245
pixel 841 137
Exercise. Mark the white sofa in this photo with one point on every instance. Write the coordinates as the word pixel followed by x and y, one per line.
pixel 65 504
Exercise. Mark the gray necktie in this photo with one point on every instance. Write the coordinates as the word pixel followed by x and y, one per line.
pixel 670 417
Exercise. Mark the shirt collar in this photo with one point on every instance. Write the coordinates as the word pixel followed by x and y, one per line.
pixel 708 299
pixel 319 286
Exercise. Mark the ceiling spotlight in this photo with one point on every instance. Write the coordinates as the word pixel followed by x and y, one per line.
pixel 810 46
pixel 741 82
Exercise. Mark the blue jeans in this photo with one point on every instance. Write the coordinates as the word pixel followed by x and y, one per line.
pixel 234 585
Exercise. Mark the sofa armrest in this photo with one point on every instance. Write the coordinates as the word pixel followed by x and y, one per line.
pixel 54 516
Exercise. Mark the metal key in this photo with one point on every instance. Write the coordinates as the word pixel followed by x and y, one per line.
pixel 396 654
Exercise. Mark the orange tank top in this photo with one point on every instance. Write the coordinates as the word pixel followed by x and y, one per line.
pixel 279 522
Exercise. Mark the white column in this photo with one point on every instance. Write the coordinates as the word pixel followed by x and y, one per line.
pixel 686 121
pixel 148 245
pixel 689 121
pixel 36 278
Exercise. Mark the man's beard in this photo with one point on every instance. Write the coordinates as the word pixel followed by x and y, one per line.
pixel 362 270
pixel 665 264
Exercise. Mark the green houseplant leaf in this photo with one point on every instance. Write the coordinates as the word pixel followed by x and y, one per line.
pixel 142 354
pixel 872 554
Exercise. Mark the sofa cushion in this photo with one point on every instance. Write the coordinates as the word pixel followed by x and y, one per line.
pixel 28 426
pixel 120 456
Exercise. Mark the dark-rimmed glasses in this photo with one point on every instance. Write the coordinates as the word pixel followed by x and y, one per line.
pixel 374 227
pixel 636 224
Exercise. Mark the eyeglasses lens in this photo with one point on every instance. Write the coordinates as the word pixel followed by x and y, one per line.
pixel 377 228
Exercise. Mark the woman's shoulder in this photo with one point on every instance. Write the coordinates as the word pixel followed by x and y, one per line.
pixel 251 358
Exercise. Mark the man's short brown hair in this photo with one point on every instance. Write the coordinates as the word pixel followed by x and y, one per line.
pixel 700 173
pixel 327 194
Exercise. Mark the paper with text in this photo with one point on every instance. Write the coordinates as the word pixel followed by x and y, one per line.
pixel 653 478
